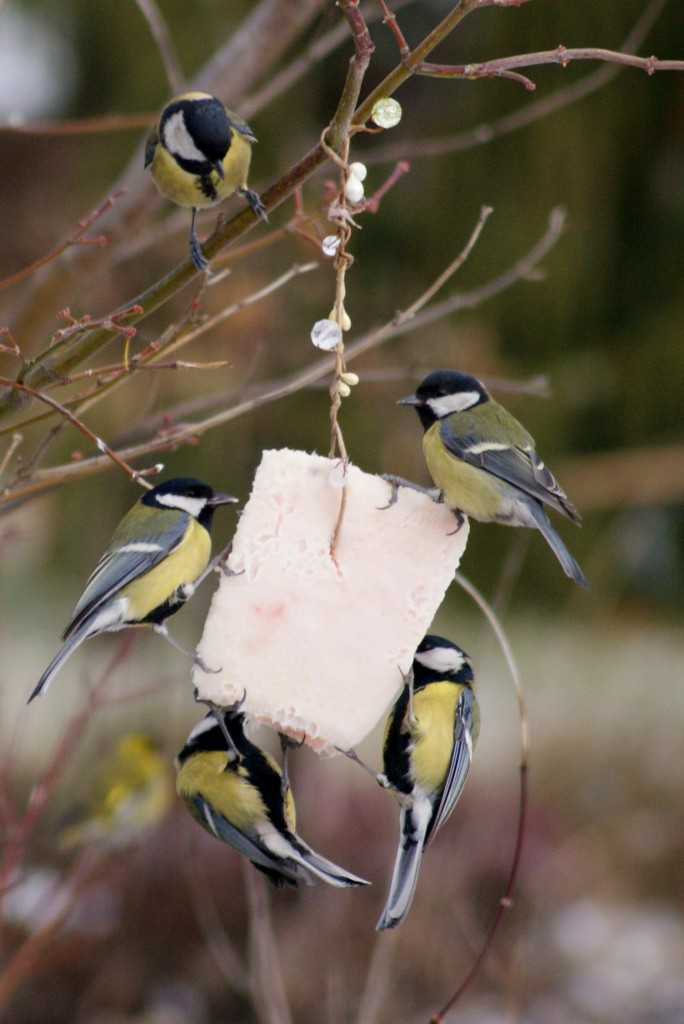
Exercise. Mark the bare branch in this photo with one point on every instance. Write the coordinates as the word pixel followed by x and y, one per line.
pixel 503 67
pixel 531 112
pixel 134 474
pixel 506 901
pixel 160 34
pixel 271 391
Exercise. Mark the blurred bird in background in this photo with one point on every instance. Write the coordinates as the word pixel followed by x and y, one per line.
pixel 132 792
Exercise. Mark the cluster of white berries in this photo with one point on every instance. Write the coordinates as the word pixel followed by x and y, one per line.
pixel 327 334
pixel 353 189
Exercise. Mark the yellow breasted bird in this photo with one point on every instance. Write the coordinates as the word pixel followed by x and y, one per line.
pixel 158 554
pixel 133 792
pixel 430 736
pixel 236 792
pixel 484 461
pixel 199 154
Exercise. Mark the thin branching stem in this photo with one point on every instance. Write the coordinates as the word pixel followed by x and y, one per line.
pixel 506 901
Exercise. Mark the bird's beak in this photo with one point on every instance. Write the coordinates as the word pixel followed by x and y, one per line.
pixel 409 400
pixel 218 167
pixel 222 499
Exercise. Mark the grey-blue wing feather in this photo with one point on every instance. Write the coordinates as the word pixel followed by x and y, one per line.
pixel 518 466
pixel 228 833
pixel 117 567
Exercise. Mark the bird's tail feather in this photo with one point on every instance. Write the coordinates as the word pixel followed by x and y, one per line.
pixel 63 653
pixel 570 566
pixel 405 876
pixel 327 871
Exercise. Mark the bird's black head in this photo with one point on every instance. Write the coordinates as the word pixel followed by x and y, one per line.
pixel 185 494
pixel 207 735
pixel 196 131
pixel 444 392
pixel 436 659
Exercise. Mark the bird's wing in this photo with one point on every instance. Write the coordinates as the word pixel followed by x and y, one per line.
pixel 518 465
pixel 125 560
pixel 240 126
pixel 151 144
pixel 228 833
pixel 466 727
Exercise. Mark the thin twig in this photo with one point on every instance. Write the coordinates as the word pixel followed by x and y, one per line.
pixel 267 988
pixel 162 38
pixel 75 238
pixel 502 67
pixel 506 901
pixel 135 474
pixel 528 114
pixel 304 378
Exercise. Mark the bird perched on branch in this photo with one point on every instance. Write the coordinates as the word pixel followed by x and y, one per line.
pixel 235 791
pixel 484 462
pixel 430 736
pixel 199 154
pixel 158 554
pixel 133 791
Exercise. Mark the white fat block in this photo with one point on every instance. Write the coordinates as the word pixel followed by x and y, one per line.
pixel 316 641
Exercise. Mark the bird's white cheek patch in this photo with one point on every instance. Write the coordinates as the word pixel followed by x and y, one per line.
pixel 315 643
pixel 178 140
pixel 458 402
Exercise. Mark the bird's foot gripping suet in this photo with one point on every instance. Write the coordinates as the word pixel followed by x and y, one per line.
pixel 220 714
pixel 254 200
pixel 286 745
pixel 162 630
pixel 460 520
pixel 379 777
pixel 434 493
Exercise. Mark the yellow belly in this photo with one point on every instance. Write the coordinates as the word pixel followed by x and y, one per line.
pixel 433 733
pixel 226 791
pixel 471 490
pixel 183 566
pixel 184 189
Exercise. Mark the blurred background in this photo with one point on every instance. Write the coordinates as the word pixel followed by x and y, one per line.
pixel 586 351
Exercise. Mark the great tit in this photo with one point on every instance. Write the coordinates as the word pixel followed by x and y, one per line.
pixel 429 740
pixel 157 555
pixel 199 154
pixel 484 462
pixel 133 791
pixel 234 790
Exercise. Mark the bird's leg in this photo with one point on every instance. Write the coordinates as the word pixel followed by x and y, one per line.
pixel 254 201
pixel 379 777
pixel 286 745
pixel 398 481
pixel 219 714
pixel 408 681
pixel 162 630
pixel 196 255
pixel 218 562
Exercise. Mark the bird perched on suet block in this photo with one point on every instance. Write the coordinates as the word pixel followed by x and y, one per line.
pixel 484 462
pixel 235 791
pixel 158 554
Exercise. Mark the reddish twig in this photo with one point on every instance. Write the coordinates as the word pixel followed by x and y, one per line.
pixel 75 238
pixel 134 474
pixel 503 67
pixel 506 901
